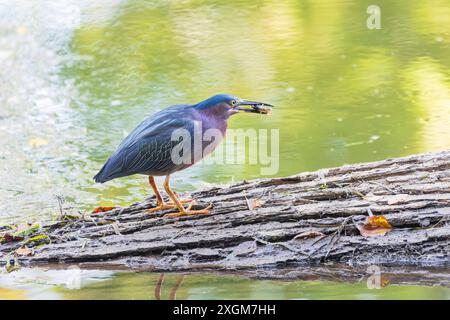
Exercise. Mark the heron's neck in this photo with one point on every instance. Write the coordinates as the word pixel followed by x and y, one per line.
pixel 215 118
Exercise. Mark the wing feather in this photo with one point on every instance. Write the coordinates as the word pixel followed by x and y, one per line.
pixel 147 149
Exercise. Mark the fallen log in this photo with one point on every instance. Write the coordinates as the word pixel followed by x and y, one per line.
pixel 303 220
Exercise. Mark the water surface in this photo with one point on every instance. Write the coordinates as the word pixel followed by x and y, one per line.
pixel 102 284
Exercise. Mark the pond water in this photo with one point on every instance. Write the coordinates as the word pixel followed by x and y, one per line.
pixel 103 284
pixel 77 76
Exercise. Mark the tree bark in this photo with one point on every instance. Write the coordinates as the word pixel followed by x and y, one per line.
pixel 303 220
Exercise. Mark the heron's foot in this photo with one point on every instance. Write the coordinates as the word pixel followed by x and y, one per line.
pixel 170 205
pixel 182 201
pixel 188 212
pixel 160 207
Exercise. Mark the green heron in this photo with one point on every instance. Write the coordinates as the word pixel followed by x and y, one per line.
pixel 148 149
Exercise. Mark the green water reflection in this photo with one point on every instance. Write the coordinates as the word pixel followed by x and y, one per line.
pixel 210 286
pixel 103 284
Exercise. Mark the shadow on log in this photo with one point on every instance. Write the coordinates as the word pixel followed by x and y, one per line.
pixel 269 224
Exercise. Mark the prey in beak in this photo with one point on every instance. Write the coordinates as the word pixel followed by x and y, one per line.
pixel 253 107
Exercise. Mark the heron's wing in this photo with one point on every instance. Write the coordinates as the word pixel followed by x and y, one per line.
pixel 168 117
pixel 147 149
pixel 152 152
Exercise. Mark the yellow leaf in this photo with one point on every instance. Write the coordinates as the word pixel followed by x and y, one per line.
pixel 37 142
pixel 375 226
pixel 385 280
pixel 24 251
pixel 378 222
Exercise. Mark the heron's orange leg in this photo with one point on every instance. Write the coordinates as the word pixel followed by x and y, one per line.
pixel 160 204
pixel 178 203
pixel 183 201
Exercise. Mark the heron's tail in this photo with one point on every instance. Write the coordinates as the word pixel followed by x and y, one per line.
pixel 113 168
pixel 108 171
pixel 101 177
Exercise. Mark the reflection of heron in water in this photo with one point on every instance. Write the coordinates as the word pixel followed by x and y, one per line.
pixel 173 291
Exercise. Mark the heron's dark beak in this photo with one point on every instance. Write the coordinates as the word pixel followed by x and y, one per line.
pixel 255 107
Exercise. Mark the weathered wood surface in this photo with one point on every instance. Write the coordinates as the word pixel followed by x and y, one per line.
pixel 413 193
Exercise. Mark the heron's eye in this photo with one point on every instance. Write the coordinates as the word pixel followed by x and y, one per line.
pixel 233 102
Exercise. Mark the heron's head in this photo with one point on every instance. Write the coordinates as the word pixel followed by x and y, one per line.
pixel 226 105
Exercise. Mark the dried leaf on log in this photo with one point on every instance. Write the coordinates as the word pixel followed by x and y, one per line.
pixel 24 251
pixel 103 209
pixel 375 226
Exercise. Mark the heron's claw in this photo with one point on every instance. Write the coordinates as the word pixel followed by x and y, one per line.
pixel 161 207
pixel 188 212
pixel 170 205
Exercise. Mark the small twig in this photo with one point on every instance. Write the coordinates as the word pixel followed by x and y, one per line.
pixel 182 232
pixel 87 217
pixel 332 241
pixel 337 236
pixel 382 186
pixel 61 200
pixel 115 226
pixel 444 218
pixel 359 194
pixel 85 242
pixel 285 245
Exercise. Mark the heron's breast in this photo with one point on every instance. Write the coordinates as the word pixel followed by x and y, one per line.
pixel 213 135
